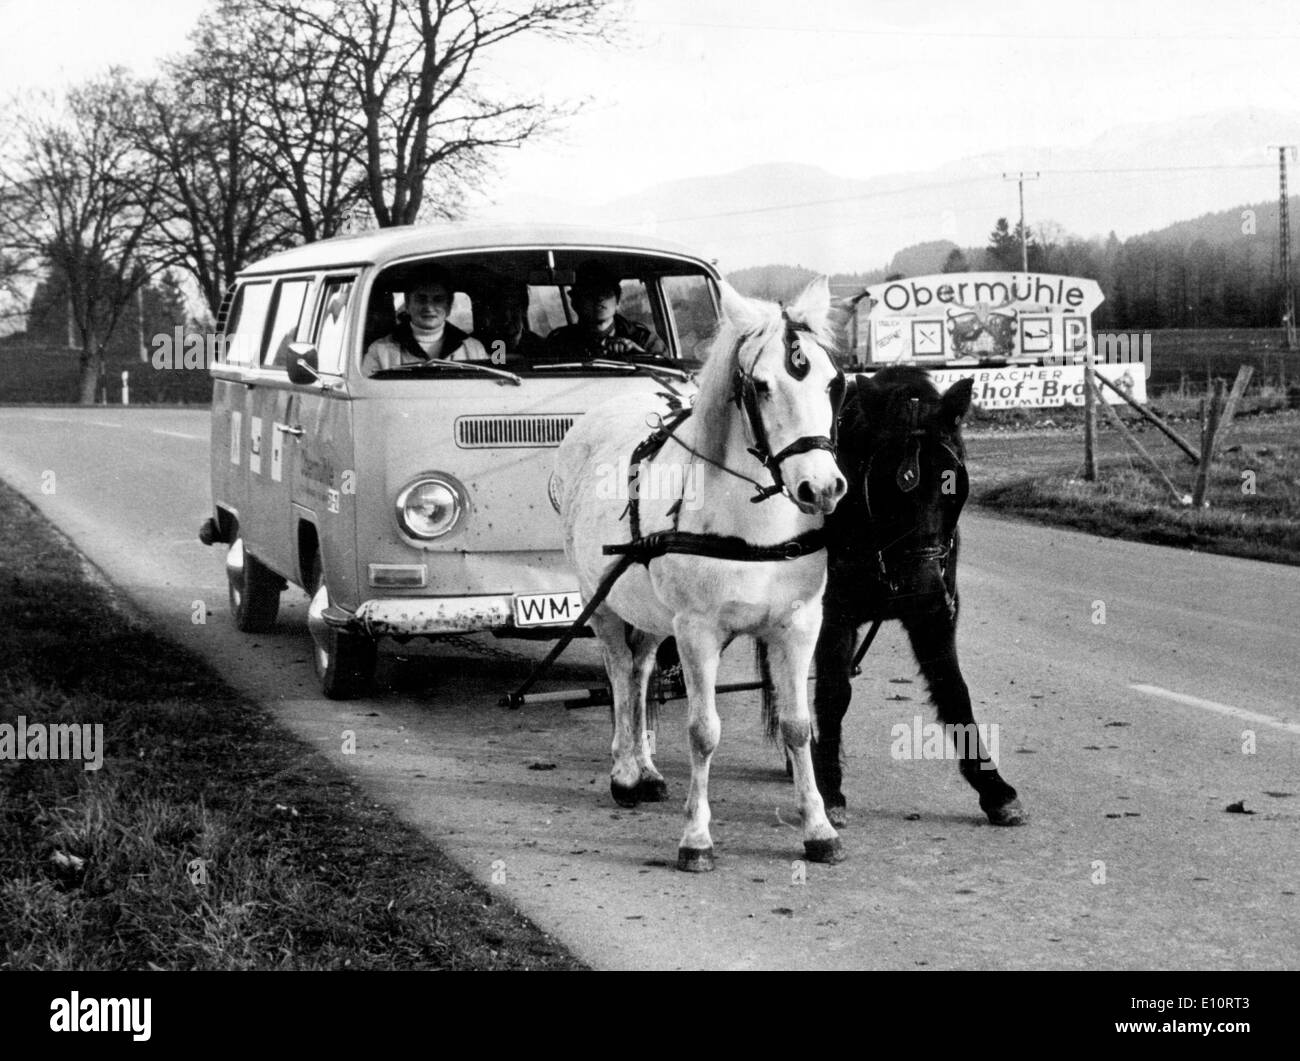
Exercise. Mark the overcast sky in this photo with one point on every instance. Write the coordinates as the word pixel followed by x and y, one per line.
pixel 707 86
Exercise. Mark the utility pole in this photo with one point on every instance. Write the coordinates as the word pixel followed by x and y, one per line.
pixel 1020 177
pixel 1284 244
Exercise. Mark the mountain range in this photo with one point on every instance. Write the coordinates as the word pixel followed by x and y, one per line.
pixel 1129 180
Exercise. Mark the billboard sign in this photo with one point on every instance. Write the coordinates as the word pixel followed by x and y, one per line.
pixel 974 318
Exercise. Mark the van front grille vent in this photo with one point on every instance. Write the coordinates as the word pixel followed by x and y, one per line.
pixel 493 432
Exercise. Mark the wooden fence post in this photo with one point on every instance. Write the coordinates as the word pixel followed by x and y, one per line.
pixel 1211 410
pixel 1089 418
pixel 1148 415
pixel 1141 451
pixel 1239 386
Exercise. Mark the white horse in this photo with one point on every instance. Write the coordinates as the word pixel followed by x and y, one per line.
pixel 764 415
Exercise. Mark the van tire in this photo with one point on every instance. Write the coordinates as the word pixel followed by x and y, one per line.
pixel 345 662
pixel 254 593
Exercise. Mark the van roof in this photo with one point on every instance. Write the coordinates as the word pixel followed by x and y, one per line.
pixel 392 244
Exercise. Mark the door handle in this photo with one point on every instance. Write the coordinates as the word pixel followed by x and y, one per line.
pixel 285 429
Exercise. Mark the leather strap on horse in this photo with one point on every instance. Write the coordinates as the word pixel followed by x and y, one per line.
pixel 718 546
pixel 643 550
pixel 647 449
pixel 745 394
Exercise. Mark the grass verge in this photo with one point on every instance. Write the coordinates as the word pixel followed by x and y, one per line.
pixel 1254 487
pixel 302 871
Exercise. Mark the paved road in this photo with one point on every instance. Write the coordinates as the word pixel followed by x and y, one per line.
pixel 1124 738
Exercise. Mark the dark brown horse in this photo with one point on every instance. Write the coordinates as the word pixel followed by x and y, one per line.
pixel 893 555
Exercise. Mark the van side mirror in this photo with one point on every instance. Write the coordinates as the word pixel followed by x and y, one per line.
pixel 303 363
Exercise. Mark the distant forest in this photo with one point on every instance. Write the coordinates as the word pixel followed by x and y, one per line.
pixel 1221 270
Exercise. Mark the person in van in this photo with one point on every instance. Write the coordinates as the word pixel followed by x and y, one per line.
pixel 423 332
pixel 504 323
pixel 601 331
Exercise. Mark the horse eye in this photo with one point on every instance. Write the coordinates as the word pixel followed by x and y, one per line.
pixel 762 388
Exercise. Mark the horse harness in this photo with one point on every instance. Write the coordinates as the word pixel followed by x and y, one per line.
pixel 907 478
pixel 642 548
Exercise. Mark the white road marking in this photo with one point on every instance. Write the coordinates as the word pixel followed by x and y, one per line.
pixel 71 420
pixel 1222 709
pixel 178 434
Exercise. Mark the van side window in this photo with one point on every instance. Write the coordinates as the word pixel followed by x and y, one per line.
pixel 247 324
pixel 332 324
pixel 691 303
pixel 290 297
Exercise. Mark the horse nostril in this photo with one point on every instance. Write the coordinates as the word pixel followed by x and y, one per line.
pixel 805 493
pixel 841 487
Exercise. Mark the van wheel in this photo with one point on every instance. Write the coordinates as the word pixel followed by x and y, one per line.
pixel 345 662
pixel 254 590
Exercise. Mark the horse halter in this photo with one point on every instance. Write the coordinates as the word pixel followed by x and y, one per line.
pixel 907 477
pixel 744 393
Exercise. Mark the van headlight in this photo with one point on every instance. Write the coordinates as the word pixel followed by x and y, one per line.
pixel 429 507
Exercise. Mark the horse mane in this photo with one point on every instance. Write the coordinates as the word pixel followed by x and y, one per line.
pixel 877 412
pixel 764 322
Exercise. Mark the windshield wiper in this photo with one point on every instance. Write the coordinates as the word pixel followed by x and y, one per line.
pixel 623 366
pixel 500 373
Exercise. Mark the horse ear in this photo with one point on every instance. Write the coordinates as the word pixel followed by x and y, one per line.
pixel 956 400
pixel 813 304
pixel 742 312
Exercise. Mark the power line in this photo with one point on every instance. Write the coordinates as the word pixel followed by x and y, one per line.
pixel 826 202
pixel 977 178
pixel 1162 169
pixel 842 31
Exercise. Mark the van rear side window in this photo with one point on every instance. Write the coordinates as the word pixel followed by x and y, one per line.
pixel 289 300
pixel 246 325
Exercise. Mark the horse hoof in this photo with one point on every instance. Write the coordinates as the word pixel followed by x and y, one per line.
pixel 651 790
pixel 838 816
pixel 695 859
pixel 824 850
pixel 625 795
pixel 1008 814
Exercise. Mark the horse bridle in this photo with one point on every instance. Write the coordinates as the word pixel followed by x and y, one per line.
pixel 744 393
pixel 908 477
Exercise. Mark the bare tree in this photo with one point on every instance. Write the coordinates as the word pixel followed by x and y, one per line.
pixel 288 91
pixel 79 197
pixel 220 206
pixel 406 73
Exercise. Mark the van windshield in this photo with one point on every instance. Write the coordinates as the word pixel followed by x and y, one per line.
pixel 531 312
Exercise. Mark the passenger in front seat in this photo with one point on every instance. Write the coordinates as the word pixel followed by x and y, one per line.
pixel 423 333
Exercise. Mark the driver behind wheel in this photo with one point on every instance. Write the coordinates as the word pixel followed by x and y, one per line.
pixel 601 331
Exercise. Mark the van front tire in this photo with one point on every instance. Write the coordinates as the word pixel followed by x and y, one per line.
pixel 254 590
pixel 345 662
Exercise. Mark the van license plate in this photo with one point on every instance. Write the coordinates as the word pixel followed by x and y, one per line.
pixel 547 609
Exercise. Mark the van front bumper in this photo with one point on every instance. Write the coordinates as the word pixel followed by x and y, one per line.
pixel 416 616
